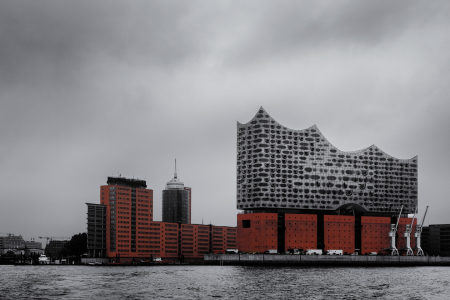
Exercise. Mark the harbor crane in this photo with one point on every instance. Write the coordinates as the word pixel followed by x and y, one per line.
pixel 407 236
pixel 393 233
pixel 418 235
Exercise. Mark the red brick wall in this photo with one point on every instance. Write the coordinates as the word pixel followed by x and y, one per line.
pixel 121 200
pixel 153 240
pixel 231 238
pixel 203 240
pixel 339 233
pixel 194 240
pixel 375 234
pixel 169 239
pixel 160 240
pixel 301 231
pixel 261 235
pixel 188 238
pixel 218 239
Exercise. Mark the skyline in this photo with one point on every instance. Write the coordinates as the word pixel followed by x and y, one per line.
pixel 91 90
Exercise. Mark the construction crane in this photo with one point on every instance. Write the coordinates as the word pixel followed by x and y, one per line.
pixel 392 235
pixel 418 235
pixel 407 236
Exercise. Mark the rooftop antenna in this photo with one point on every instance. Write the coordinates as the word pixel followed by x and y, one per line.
pixel 175 168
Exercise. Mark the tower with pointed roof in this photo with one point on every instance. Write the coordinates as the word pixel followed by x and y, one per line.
pixel 176 201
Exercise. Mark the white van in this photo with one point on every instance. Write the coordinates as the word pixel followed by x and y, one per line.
pixel 335 252
pixel 314 252
pixel 232 251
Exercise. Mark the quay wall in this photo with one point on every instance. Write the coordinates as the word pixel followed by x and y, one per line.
pixel 86 260
pixel 323 260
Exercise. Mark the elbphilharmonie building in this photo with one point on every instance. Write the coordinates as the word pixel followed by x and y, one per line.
pixel 296 190
pixel 282 169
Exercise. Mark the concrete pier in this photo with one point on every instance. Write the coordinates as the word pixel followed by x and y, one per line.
pixel 323 260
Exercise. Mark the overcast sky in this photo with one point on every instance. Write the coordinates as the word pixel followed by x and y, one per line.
pixel 91 89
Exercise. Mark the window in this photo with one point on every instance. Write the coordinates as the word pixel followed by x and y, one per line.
pixel 245 223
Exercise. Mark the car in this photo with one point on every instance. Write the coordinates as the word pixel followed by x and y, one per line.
pixel 355 253
pixel 373 253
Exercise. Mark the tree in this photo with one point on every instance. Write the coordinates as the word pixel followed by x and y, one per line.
pixel 77 246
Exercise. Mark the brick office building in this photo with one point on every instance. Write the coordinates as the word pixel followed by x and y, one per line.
pixel 122 227
pixel 296 190
pixel 129 210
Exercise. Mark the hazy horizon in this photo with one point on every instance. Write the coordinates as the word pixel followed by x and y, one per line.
pixel 96 89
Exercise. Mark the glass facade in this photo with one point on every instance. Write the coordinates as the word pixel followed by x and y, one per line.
pixel 175 206
pixel 96 230
pixel 282 168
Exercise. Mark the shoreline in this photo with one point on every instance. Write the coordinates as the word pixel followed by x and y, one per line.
pixel 322 260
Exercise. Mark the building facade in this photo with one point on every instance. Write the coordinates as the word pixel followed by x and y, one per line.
pixel 33 245
pixel 318 195
pixel 96 230
pixel 436 239
pixel 129 209
pixel 54 247
pixel 121 227
pixel 176 202
pixel 190 204
pixel 11 242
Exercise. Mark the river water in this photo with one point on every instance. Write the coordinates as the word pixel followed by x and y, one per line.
pixel 226 282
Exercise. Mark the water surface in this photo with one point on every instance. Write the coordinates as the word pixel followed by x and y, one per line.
pixel 227 282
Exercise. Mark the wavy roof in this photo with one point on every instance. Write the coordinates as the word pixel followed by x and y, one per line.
pixel 315 129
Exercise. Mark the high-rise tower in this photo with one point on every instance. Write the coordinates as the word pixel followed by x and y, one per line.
pixel 129 207
pixel 190 203
pixel 175 201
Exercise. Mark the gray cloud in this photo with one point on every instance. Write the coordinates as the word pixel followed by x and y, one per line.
pixel 93 89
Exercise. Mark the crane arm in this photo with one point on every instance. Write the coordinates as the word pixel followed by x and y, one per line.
pixel 412 222
pixel 398 219
pixel 424 217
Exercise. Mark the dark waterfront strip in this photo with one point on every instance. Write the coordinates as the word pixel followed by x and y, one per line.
pixel 324 260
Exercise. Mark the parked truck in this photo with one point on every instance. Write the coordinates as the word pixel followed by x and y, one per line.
pixel 335 252
pixel 314 252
